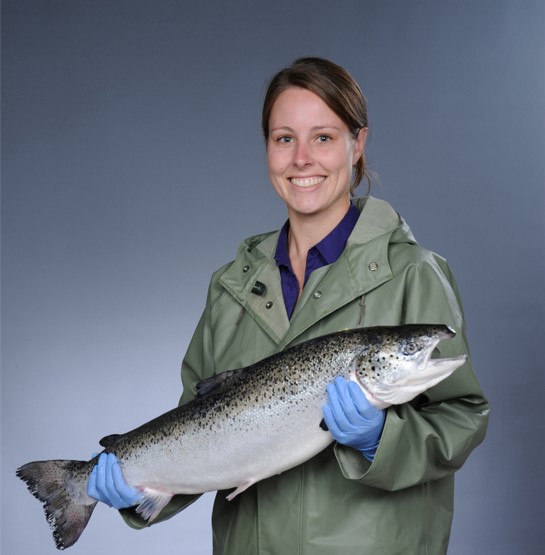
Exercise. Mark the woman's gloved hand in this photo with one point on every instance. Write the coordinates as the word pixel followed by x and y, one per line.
pixel 106 484
pixel 351 419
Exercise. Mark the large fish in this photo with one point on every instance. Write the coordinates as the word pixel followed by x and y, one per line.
pixel 246 425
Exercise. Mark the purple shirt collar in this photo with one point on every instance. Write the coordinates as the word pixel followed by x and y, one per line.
pixel 327 251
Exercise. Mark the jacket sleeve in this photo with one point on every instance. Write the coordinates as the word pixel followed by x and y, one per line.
pixel 197 362
pixel 431 436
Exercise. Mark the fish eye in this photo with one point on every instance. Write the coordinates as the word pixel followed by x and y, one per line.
pixel 410 348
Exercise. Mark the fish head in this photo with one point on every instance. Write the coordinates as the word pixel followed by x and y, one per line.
pixel 396 363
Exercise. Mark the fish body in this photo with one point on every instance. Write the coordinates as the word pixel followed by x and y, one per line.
pixel 246 425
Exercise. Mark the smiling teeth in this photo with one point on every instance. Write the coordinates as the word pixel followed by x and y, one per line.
pixel 306 181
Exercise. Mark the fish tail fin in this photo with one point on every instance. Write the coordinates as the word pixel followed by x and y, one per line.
pixel 62 488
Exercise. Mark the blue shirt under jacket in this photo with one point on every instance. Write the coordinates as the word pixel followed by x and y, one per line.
pixel 327 251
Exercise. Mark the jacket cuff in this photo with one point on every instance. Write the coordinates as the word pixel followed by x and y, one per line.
pixel 354 465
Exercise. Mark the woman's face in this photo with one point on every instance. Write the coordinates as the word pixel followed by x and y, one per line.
pixel 310 154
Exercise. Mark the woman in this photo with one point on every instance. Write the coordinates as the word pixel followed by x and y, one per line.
pixel 386 485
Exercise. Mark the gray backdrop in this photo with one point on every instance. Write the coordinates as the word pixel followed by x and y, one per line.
pixel 133 166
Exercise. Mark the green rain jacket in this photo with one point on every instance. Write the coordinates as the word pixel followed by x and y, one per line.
pixel 338 502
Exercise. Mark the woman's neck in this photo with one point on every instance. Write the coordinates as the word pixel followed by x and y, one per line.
pixel 306 230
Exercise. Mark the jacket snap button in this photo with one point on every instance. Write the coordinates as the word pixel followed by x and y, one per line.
pixel 246 268
pixel 268 304
pixel 317 294
pixel 373 266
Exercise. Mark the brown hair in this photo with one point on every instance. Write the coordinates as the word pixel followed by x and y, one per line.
pixel 334 85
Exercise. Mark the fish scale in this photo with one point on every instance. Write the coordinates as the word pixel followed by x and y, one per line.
pixel 246 425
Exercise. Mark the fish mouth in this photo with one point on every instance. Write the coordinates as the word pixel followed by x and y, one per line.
pixel 446 333
pixel 415 383
pixel 431 368
pixel 442 365
pixel 425 360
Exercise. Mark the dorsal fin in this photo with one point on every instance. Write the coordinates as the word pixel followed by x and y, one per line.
pixel 108 441
pixel 204 387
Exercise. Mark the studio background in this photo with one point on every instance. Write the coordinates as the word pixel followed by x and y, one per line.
pixel 133 165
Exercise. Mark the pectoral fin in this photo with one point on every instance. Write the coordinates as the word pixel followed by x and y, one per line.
pixel 152 503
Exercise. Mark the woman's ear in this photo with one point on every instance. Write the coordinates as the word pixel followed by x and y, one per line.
pixel 359 145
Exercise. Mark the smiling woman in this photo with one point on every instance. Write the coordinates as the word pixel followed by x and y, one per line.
pixel 311 154
pixel 334 85
pixel 315 126
pixel 386 484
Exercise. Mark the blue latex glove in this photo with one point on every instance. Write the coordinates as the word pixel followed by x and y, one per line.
pixel 351 419
pixel 106 484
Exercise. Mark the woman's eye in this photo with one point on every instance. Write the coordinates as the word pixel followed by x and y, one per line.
pixel 284 139
pixel 324 138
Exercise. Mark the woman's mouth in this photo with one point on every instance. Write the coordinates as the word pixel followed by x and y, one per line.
pixel 307 181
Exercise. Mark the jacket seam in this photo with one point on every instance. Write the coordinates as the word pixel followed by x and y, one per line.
pixel 427 516
pixel 257 520
pixel 362 310
pixel 301 512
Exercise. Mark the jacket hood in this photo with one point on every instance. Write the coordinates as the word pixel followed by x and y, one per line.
pixel 379 218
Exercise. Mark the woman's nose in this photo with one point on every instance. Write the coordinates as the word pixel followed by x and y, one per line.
pixel 302 155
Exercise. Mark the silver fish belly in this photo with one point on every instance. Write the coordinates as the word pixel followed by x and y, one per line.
pixel 246 425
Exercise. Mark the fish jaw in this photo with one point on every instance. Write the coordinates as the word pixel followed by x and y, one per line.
pixel 413 384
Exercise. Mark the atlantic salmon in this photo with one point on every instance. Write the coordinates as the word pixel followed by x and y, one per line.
pixel 246 425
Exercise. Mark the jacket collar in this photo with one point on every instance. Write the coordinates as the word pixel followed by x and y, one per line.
pixel 362 266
